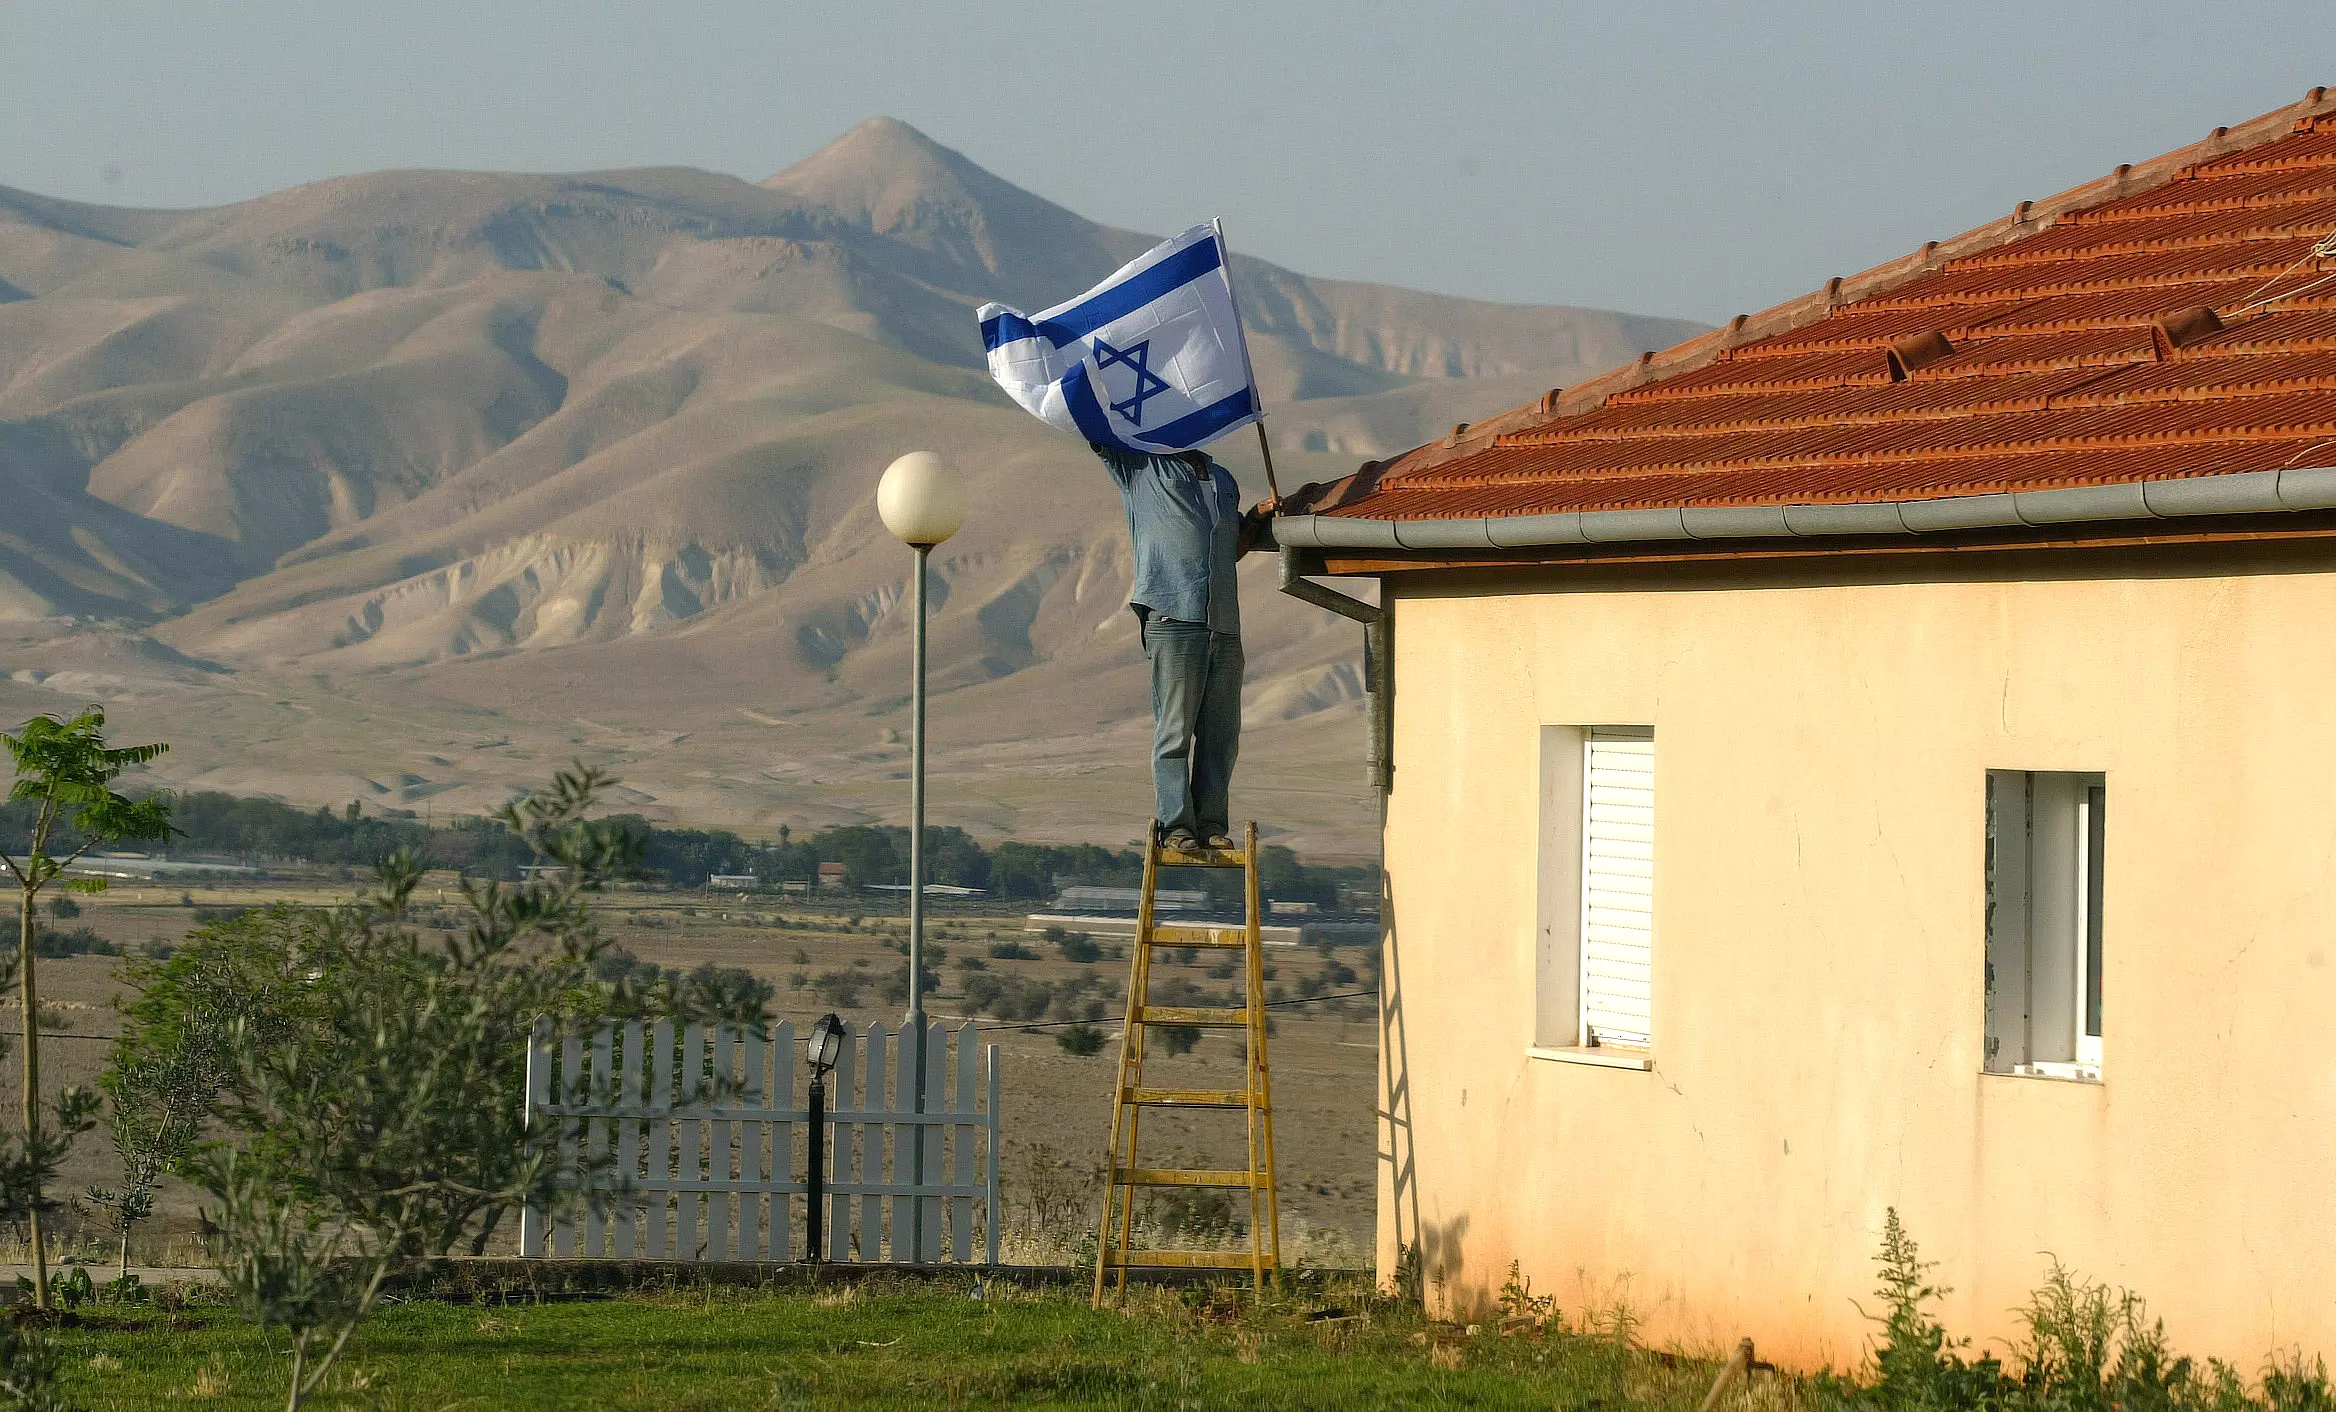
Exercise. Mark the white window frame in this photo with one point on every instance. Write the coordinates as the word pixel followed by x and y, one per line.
pixel 1562 1025
pixel 2044 935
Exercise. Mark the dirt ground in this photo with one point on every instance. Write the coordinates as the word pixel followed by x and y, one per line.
pixel 1056 1105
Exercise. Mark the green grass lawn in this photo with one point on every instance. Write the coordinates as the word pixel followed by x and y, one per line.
pixel 922 1347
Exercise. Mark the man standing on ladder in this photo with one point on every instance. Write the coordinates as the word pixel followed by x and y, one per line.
pixel 1149 366
pixel 1185 523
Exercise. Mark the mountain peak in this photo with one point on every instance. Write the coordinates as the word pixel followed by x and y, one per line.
pixel 880 171
pixel 890 179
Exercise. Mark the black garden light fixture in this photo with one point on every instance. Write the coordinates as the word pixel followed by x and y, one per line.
pixel 821 1047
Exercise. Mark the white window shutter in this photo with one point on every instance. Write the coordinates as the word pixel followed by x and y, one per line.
pixel 1618 885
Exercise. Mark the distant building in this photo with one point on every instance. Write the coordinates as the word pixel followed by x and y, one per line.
pixel 1124 899
pixel 1291 909
pixel 931 889
pixel 831 875
pixel 740 882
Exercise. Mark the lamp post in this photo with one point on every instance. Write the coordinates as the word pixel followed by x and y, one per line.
pixel 922 502
pixel 821 1044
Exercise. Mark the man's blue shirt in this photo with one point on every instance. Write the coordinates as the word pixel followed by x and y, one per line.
pixel 1187 537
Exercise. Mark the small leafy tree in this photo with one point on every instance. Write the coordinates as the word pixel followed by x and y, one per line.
pixel 389 1129
pixel 174 1063
pixel 66 771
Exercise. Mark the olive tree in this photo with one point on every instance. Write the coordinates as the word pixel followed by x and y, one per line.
pixel 389 1128
pixel 65 769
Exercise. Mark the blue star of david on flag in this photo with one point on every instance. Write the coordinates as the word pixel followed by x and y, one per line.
pixel 1167 321
pixel 1148 383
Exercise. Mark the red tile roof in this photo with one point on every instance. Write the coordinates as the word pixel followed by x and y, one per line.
pixel 2075 353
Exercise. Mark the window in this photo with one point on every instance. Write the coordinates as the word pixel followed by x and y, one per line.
pixel 1596 940
pixel 2045 832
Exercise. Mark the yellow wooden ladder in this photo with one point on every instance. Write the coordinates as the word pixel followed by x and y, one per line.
pixel 1124 1173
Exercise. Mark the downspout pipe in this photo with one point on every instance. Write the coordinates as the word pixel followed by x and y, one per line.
pixel 2172 498
pixel 1378 669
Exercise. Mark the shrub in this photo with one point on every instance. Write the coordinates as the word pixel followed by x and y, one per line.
pixel 64 908
pixel 1082 1040
pixel 840 989
pixel 72 941
pixel 1076 946
pixel 1011 951
pixel 1009 997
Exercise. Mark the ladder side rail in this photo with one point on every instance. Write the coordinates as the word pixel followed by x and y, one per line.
pixel 1123 1079
pixel 1271 1245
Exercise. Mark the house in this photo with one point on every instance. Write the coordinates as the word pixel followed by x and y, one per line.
pixel 735 882
pixel 831 875
pixel 1891 745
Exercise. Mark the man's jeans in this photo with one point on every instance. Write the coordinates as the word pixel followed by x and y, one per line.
pixel 1196 723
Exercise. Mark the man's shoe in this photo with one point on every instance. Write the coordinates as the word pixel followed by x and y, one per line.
pixel 1218 840
pixel 1181 840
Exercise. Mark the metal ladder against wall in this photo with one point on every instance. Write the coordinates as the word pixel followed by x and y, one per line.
pixel 1124 1175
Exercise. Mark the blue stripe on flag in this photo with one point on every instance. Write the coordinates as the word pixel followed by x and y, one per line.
pixel 1193 428
pixel 1125 298
pixel 1087 412
pixel 1186 432
pixel 1008 327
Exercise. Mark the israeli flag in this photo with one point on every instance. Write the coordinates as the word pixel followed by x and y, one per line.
pixel 1150 360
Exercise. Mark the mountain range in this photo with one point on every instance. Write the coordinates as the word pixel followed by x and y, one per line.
pixel 406 488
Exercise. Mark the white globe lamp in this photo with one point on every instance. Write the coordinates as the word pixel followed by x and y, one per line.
pixel 921 499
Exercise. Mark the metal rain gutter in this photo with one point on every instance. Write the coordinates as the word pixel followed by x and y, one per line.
pixel 2239 493
pixel 1378 680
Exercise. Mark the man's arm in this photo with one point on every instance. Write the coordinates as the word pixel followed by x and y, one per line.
pixel 1257 526
pixel 1120 463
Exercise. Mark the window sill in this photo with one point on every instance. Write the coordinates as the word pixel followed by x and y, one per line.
pixel 2055 1073
pixel 1603 1056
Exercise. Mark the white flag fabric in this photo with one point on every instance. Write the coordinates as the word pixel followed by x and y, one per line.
pixel 1150 360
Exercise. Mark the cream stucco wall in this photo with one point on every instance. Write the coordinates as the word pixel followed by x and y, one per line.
pixel 1818 967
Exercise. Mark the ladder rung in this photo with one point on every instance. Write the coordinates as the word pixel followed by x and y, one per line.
pixel 1187 1259
pixel 1167 1176
pixel 1187 1097
pixel 1191 1015
pixel 1203 858
pixel 1171 935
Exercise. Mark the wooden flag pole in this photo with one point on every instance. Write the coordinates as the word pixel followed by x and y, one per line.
pixel 1264 447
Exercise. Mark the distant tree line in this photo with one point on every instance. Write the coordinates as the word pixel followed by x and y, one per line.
pixel 260 832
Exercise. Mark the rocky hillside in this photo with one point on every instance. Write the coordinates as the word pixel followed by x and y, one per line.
pixel 545 448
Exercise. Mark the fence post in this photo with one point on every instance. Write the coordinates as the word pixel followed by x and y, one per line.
pixel 628 1139
pixel 539 1084
pixel 597 1094
pixel 842 1140
pixel 564 1087
pixel 780 1096
pixel 990 1236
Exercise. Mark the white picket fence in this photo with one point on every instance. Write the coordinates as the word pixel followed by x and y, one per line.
pixel 692 1142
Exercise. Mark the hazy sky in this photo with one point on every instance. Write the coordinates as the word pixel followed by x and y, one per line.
pixel 1698 160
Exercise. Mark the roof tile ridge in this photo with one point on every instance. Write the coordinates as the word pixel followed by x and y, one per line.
pixel 2129 179
pixel 1917 455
